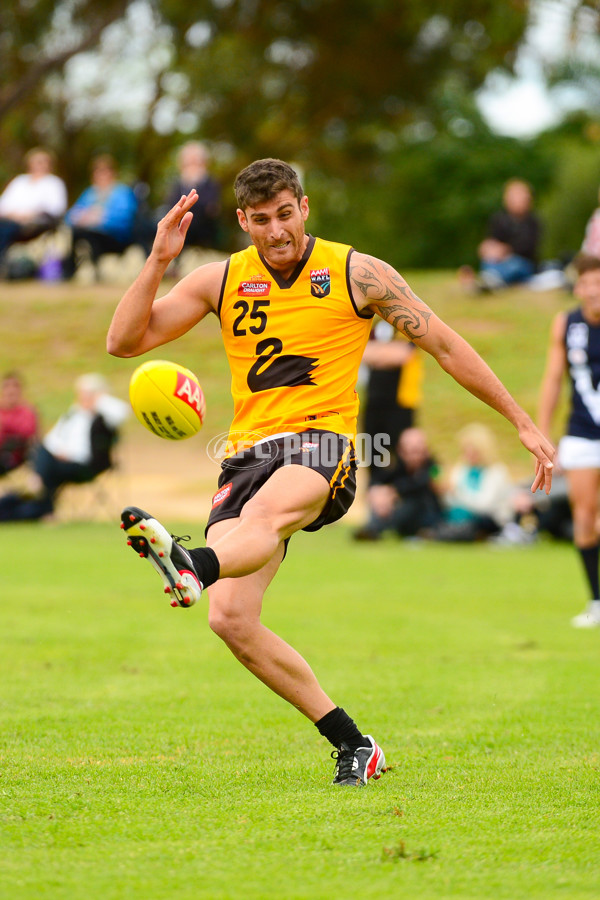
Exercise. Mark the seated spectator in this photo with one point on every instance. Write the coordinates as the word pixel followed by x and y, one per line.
pixel 192 162
pixel 477 501
pixel 591 240
pixel 508 254
pixel 18 424
pixel 540 513
pixel 33 202
pixel 406 500
pixel 75 450
pixel 102 219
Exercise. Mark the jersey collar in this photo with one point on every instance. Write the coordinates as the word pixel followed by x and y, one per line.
pixel 284 283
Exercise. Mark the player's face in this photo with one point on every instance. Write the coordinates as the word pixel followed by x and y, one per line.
pixel 587 290
pixel 276 228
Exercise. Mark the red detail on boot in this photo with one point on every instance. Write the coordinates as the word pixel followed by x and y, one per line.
pixel 373 762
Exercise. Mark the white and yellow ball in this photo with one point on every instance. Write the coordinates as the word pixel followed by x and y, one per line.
pixel 167 399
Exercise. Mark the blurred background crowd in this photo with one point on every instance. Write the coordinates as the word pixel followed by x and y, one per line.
pixel 462 136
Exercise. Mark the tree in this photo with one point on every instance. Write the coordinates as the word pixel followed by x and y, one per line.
pixel 37 38
pixel 315 80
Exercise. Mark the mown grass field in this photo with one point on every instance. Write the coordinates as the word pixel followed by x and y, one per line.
pixel 139 760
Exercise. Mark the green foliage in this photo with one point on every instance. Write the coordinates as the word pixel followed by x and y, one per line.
pixel 573 195
pixel 428 204
pixel 373 101
pixel 36 40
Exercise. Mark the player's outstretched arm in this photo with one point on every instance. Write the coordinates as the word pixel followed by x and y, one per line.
pixel 378 286
pixel 141 322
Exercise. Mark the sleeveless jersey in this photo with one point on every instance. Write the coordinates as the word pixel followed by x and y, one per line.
pixel 582 345
pixel 294 345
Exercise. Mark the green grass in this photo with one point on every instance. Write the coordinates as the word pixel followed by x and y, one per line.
pixel 140 760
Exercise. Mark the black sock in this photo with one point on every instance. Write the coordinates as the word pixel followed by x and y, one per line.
pixel 589 557
pixel 206 565
pixel 339 728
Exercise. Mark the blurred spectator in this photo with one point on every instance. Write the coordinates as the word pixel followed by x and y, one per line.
pixel 508 254
pixel 591 240
pixel 393 389
pixel 477 501
pixel 539 513
pixel 192 162
pixel 406 501
pixel 102 219
pixel 18 424
pixel 75 450
pixel 33 202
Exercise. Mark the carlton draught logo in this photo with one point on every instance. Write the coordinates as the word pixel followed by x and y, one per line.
pixel 320 282
pixel 256 286
pixel 222 495
pixel 188 391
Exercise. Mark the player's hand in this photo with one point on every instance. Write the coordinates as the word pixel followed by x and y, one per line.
pixel 543 450
pixel 172 228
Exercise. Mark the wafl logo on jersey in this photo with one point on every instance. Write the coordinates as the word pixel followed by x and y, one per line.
pixel 256 286
pixel 320 282
pixel 190 392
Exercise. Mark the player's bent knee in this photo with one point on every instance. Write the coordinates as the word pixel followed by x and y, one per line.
pixel 229 623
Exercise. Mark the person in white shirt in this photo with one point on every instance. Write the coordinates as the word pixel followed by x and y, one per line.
pixel 32 202
pixel 75 450
pixel 478 496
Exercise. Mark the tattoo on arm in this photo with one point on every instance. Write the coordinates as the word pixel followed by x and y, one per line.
pixel 391 297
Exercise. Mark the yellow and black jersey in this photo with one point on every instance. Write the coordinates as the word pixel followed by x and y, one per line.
pixel 294 345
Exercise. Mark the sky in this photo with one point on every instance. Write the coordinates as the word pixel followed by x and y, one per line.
pixel 524 105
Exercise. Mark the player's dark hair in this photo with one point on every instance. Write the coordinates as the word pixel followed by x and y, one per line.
pixel 585 262
pixel 264 179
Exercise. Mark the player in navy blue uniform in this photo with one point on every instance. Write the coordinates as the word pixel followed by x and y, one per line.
pixel 575 350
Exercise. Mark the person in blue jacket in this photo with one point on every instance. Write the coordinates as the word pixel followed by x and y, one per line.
pixel 103 217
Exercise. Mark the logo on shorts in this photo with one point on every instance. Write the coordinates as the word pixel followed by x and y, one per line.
pixel 307 446
pixel 256 286
pixel 222 495
pixel 320 282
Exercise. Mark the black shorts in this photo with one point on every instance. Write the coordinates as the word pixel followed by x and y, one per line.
pixel 242 475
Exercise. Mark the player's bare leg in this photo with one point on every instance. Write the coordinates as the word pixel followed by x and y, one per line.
pixel 292 498
pixel 241 558
pixel 235 606
pixel 583 495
